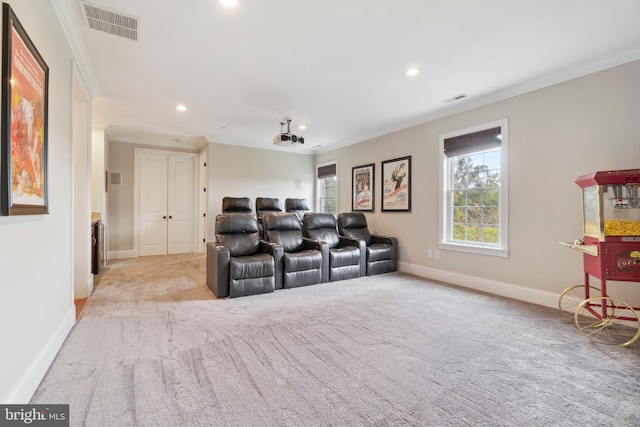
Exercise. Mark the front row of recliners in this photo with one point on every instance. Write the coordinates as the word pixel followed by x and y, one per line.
pixel 293 253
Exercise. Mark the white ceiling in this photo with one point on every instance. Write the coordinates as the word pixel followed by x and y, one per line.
pixel 336 66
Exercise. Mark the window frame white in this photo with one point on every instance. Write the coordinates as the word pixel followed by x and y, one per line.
pixel 501 249
pixel 319 185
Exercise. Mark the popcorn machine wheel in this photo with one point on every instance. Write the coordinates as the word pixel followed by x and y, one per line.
pixel 611 251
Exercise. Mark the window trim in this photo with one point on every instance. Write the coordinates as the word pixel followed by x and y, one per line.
pixel 502 248
pixel 319 189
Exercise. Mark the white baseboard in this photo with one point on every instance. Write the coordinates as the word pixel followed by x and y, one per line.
pixel 33 375
pixel 121 254
pixel 522 293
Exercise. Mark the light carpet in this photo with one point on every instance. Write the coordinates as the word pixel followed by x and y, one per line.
pixel 153 347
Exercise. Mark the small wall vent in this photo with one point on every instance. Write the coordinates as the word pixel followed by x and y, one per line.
pixel 111 22
pixel 116 178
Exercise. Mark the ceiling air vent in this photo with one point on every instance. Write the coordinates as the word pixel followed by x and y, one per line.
pixel 111 22
pixel 455 98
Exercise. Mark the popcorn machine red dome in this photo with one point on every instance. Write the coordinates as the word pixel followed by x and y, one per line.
pixel 611 251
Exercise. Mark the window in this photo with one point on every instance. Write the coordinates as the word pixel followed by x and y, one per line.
pixel 328 188
pixel 474 174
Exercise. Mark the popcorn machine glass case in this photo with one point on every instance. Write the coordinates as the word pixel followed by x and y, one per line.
pixel 610 207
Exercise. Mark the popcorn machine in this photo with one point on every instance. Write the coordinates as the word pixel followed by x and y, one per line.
pixel 611 251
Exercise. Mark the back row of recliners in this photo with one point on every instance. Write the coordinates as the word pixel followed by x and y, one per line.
pixel 265 205
pixel 293 252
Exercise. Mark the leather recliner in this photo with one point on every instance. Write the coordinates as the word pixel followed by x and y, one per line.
pixel 344 252
pixel 236 204
pixel 380 252
pixel 304 261
pixel 297 206
pixel 239 263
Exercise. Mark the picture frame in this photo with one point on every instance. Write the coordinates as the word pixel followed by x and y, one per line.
pixel 24 105
pixel 362 188
pixel 396 185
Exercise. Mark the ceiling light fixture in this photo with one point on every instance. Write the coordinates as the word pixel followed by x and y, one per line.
pixel 228 3
pixel 412 71
pixel 302 127
pixel 181 108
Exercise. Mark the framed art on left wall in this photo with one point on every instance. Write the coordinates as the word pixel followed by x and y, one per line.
pixel 23 159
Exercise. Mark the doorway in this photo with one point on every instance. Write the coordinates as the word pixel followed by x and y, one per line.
pixel 165 201
pixel 81 216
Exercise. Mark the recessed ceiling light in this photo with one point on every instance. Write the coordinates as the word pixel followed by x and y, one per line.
pixel 302 127
pixel 181 107
pixel 229 3
pixel 412 71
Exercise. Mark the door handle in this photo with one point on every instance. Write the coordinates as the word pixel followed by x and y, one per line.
pixel 164 217
pixel 170 217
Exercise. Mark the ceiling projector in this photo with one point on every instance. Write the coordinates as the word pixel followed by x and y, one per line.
pixel 287 138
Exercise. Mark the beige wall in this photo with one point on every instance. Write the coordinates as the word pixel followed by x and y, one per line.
pixel 555 135
pixel 120 198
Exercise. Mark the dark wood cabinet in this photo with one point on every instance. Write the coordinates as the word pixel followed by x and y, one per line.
pixel 96 245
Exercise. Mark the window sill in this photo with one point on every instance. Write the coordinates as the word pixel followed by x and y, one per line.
pixel 481 250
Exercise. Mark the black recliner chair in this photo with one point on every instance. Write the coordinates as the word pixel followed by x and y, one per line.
pixel 304 261
pixel 236 204
pixel 344 252
pixel 297 206
pixel 239 263
pixel 380 252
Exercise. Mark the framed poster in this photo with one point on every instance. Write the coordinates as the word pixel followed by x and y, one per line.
pixel 396 185
pixel 362 183
pixel 25 80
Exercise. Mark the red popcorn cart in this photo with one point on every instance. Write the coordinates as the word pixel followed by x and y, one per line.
pixel 611 251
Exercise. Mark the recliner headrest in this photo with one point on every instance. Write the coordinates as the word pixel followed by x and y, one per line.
pixel 268 204
pixel 236 204
pixel 236 223
pixel 314 221
pixel 296 205
pixel 352 220
pixel 281 221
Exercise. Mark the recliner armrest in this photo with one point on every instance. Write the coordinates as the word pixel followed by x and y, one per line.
pixel 277 252
pixel 393 241
pixel 348 241
pixel 323 247
pixel 218 259
pixel 360 244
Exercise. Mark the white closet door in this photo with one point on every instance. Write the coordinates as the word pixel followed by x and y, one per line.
pixel 181 205
pixel 153 204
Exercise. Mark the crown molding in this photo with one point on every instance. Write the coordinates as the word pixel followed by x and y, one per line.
pixel 65 14
pixel 470 103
